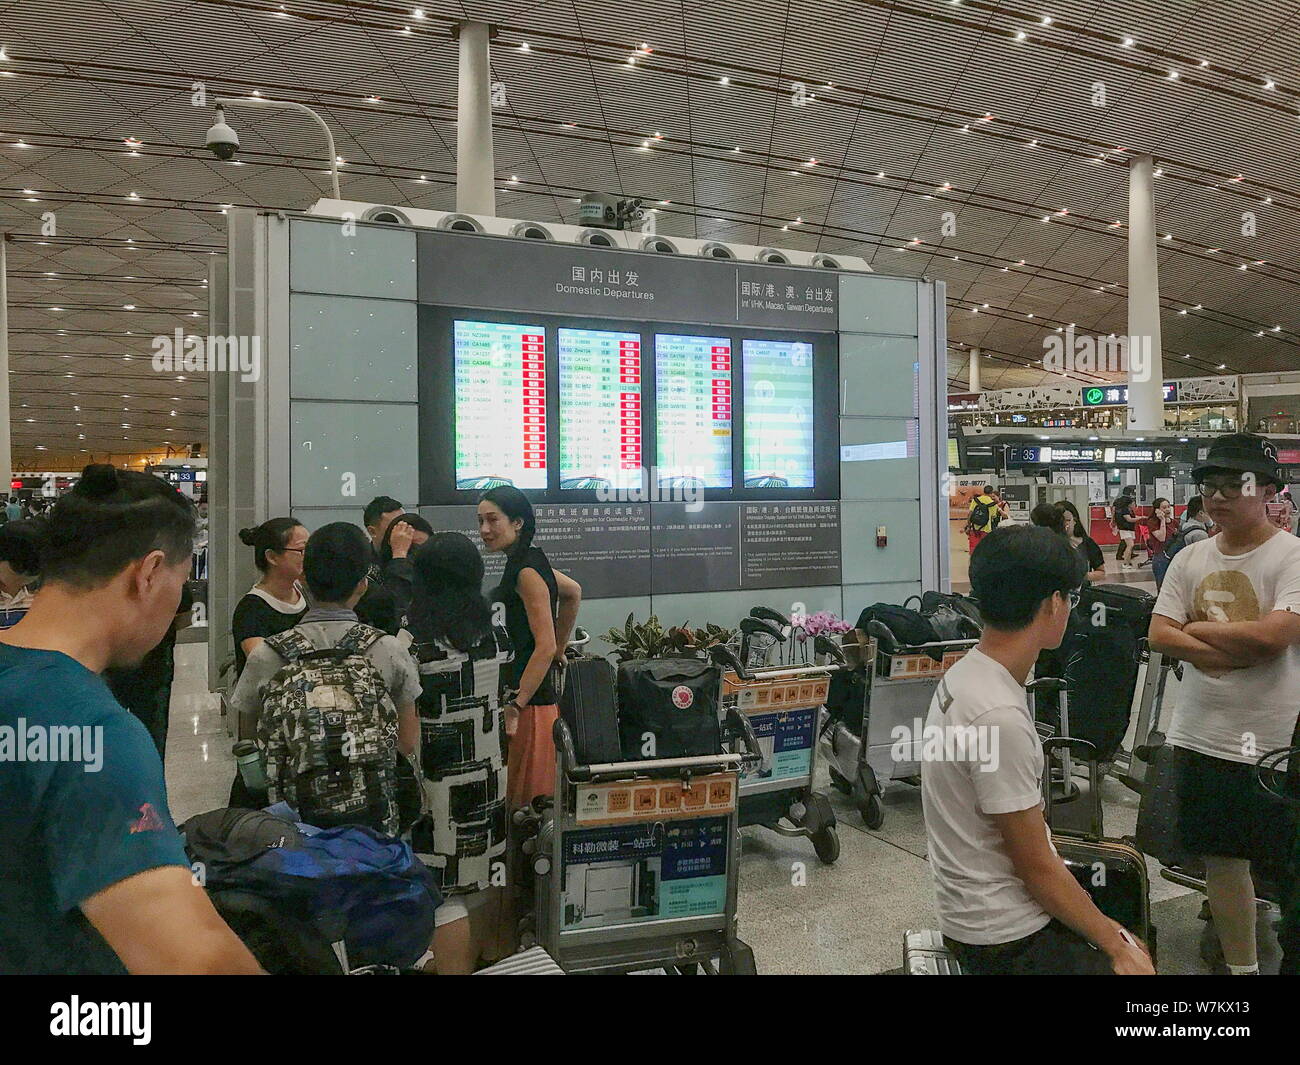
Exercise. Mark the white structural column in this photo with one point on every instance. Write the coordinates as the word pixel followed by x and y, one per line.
pixel 1146 390
pixel 6 453
pixel 475 187
pixel 973 378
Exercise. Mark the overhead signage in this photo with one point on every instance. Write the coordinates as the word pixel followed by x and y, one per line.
pixel 1047 456
pixel 1117 395
pixel 1127 456
pixel 455 269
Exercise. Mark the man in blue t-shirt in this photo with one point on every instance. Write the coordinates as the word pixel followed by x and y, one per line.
pixel 93 876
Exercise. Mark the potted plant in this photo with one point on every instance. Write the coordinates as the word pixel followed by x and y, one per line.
pixel 649 639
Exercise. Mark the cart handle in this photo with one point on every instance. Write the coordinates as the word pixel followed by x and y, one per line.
pixel 791 671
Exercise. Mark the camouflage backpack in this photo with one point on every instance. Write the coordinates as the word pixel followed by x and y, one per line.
pixel 330 734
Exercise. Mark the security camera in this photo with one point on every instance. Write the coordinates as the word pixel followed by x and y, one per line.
pixel 222 141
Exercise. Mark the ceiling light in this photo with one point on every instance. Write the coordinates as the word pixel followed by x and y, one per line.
pixel 1183 311
pixel 418 13
pixel 1158 171
pixel 1129 42
pixel 1021 35
pixel 1197 307
pixel 1270 85
pixel 1223 366
pixel 880 174
pixel 1204 63
pixel 128 306
pixel 724 80
pixel 1047 20
pixel 1277 329
pixel 1172 75
pixel 524 47
pixel 372 99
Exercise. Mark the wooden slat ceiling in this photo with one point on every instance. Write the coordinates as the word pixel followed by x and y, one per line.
pixel 920 107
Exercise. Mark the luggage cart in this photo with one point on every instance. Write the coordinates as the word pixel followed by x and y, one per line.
pixel 896 682
pixel 782 705
pixel 636 865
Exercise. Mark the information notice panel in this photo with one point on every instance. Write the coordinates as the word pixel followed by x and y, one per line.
pixel 778 413
pixel 616 549
pixel 500 374
pixel 600 408
pixel 693 409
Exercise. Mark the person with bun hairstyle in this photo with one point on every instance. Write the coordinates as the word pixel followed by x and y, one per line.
pixel 275 603
pixel 541 607
pixel 93 876
pixel 462 838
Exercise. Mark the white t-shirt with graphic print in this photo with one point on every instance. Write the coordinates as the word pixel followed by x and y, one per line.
pixel 1245 712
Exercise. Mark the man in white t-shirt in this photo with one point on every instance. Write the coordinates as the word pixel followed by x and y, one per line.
pixel 1007 904
pixel 1230 607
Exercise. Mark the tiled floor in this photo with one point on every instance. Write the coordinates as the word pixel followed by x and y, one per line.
pixel 799 916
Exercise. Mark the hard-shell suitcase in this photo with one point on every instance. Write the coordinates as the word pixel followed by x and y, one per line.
pixel 1112 871
pixel 924 954
pixel 588 707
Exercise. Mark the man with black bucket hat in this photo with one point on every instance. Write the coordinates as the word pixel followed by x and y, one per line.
pixel 1230 608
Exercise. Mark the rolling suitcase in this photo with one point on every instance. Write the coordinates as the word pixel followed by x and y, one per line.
pixel 924 954
pixel 1102 651
pixel 587 706
pixel 1112 871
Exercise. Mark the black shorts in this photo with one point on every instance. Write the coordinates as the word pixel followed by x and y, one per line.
pixel 1220 809
pixel 1054 950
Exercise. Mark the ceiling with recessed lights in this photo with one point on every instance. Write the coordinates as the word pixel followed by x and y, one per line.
pixel 981 143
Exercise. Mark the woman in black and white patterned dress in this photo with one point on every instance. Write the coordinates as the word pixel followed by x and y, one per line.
pixel 462 834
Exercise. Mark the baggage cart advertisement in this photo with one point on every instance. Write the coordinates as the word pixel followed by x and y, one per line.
pixel 619 874
pixel 786 738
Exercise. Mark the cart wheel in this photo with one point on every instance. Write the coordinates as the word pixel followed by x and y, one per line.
pixel 840 782
pixel 738 960
pixel 873 811
pixel 827 845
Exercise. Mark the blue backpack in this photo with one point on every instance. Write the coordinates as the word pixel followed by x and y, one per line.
pixel 351 885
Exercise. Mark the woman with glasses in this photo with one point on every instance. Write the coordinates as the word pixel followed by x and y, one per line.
pixel 275 603
pixel 1076 532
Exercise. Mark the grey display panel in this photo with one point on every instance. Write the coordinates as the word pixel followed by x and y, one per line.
pixel 620 550
pixel 460 270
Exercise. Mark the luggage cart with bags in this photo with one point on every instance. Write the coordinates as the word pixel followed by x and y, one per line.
pixel 634 862
pixel 782 705
pixel 891 688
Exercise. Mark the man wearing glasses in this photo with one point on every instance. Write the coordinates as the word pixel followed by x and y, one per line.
pixel 1230 608
pixel 1007 904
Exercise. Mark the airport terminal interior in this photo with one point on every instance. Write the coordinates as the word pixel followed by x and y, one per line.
pixel 651 383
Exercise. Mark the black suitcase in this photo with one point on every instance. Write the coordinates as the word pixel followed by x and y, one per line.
pixel 1112 871
pixel 668 708
pixel 1122 602
pixel 588 707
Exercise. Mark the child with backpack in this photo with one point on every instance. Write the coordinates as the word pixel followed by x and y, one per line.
pixel 332 701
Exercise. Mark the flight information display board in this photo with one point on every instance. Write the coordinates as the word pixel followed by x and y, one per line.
pixel 500 414
pixel 693 409
pixel 600 409
pixel 778 378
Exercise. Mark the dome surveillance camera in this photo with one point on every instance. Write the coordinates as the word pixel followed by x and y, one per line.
pixel 222 141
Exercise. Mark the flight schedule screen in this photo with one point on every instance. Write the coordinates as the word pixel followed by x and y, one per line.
pixel 778 413
pixel 693 409
pixel 600 409
pixel 500 405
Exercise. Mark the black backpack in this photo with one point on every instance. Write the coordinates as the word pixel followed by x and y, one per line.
pixel 979 515
pixel 907 626
pixel 669 707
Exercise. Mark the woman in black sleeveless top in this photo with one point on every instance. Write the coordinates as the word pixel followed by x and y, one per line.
pixel 541 606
